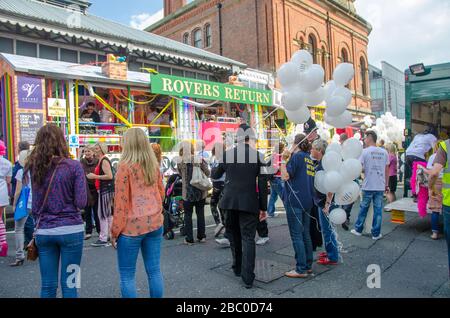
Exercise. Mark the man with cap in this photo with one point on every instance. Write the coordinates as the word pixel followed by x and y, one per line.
pixel 244 199
pixel 310 130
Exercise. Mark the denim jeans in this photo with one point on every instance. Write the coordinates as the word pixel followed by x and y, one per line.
pixel 53 248
pixel 435 221
pixel 29 229
pixel 19 235
pixel 127 252
pixel 368 197
pixel 276 189
pixel 329 236
pixel 446 213
pixel 299 223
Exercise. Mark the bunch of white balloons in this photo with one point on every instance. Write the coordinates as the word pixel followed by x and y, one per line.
pixel 338 97
pixel 341 166
pixel 302 86
pixel 390 129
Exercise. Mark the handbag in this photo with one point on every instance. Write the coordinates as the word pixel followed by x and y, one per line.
pixel 21 210
pixel 32 250
pixel 200 180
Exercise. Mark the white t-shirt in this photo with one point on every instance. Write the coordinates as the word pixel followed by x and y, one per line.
pixel 430 164
pixel 5 171
pixel 374 161
pixel 19 177
pixel 420 145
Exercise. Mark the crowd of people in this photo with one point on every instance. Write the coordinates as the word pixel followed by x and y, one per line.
pixel 125 205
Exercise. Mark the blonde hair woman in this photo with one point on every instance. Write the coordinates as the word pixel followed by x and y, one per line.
pixel 138 218
pixel 104 183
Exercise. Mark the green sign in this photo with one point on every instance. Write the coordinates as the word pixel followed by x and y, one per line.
pixel 186 87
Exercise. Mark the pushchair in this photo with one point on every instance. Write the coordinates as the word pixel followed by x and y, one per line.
pixel 173 207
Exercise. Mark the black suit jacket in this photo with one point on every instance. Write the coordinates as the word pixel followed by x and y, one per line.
pixel 245 168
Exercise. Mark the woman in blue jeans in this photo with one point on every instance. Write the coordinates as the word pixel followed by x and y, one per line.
pixel 59 194
pixel 138 218
pixel 298 200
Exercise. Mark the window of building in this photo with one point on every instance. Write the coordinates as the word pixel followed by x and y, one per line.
pixel 363 68
pixel 152 66
pixel 324 62
pixel 165 70
pixel 198 38
pixel 208 35
pixel 177 72
pixel 26 48
pixel 101 58
pixel 69 56
pixel 6 45
pixel 344 56
pixel 186 38
pixel 202 77
pixel 190 74
pixel 87 58
pixel 134 66
pixel 312 47
pixel 48 52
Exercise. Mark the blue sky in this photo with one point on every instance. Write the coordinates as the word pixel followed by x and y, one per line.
pixel 405 32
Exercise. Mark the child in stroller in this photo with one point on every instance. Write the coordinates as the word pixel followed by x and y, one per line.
pixel 173 207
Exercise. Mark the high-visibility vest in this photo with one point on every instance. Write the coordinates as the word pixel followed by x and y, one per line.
pixel 446 178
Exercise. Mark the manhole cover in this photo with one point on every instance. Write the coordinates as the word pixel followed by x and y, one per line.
pixel 267 271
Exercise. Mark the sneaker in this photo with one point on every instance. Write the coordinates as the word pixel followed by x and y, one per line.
pixel 375 238
pixel 219 228
pixel 355 232
pixel 223 242
pixel 189 243
pixel 87 236
pixel 271 215
pixel 435 236
pixel 262 241
pixel 101 244
pixel 293 274
pixel 326 261
pixel 203 240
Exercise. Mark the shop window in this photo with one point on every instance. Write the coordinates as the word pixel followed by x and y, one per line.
pixel 177 72
pixel 86 58
pixel 186 38
pixel 208 35
pixel 164 70
pixel 101 58
pixel 190 74
pixel 134 66
pixel 202 77
pixel 26 48
pixel 69 56
pixel 312 47
pixel 198 43
pixel 48 52
pixel 6 45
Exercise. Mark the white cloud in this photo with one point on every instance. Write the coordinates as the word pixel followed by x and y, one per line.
pixel 406 32
pixel 143 20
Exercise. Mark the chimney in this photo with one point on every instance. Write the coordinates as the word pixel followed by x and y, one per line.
pixel 170 6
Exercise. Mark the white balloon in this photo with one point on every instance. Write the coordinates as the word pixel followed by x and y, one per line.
pixel 357 136
pixel 292 100
pixel 319 181
pixel 288 74
pixel 303 59
pixel 338 216
pixel 351 169
pixel 351 148
pixel 315 98
pixel 345 93
pixel 333 181
pixel 343 74
pixel 334 146
pixel 341 121
pixel 313 78
pixel 299 116
pixel 332 161
pixel 336 106
pixel 347 194
pixel 330 87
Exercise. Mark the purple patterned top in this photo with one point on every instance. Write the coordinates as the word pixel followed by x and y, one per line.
pixel 68 194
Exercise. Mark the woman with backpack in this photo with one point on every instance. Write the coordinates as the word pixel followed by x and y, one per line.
pixel 104 183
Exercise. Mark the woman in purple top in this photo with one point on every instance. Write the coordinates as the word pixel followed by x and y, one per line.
pixel 59 226
pixel 392 149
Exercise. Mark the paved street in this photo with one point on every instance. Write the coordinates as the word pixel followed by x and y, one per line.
pixel 412 265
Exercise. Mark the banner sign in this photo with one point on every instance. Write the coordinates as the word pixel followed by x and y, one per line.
pixel 187 87
pixel 56 107
pixel 29 91
pixel 29 124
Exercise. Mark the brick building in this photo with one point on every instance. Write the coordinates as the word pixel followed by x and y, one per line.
pixel 264 34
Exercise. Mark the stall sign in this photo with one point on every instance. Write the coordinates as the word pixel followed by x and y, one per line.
pixel 56 107
pixel 29 92
pixel 74 141
pixel 29 124
pixel 186 87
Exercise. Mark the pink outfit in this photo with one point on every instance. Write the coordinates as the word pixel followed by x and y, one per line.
pixel 392 165
pixel 3 243
pixel 420 187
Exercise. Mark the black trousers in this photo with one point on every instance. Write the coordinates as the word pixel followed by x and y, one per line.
pixel 241 226
pixel 262 229
pixel 217 213
pixel 200 212
pixel 88 215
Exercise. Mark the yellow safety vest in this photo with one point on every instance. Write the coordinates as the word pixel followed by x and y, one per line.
pixel 446 178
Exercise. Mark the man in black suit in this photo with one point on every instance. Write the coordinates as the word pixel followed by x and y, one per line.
pixel 244 199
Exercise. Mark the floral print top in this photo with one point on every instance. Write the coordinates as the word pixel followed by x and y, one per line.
pixel 137 206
